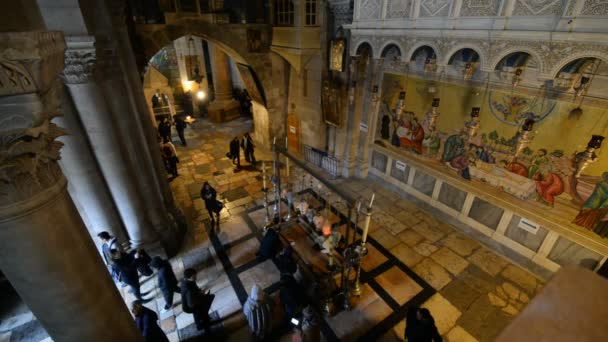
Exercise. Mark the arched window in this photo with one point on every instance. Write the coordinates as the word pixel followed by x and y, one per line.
pixel 283 12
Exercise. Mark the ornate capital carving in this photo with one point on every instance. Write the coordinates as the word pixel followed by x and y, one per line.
pixel 80 60
pixel 29 101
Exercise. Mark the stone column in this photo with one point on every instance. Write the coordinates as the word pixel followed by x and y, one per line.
pixel 141 135
pixel 87 186
pixel 45 250
pixel 356 101
pixel 369 116
pixel 343 134
pixel 99 110
pixel 223 106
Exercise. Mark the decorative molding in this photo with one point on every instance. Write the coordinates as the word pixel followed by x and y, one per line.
pixel 549 56
pixel 79 65
pixel 479 8
pixel 537 7
pixel 398 9
pixel 595 8
pixel 342 13
pixel 28 150
pixel 434 8
pixel 370 9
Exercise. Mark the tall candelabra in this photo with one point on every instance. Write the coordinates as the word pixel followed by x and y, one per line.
pixel 588 156
pixel 361 250
pixel 265 191
pixel 472 126
pixel 432 115
pixel 524 138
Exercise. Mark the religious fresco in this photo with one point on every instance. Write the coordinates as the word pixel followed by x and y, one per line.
pixel 522 144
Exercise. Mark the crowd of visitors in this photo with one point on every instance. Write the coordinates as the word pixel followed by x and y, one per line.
pixel 126 267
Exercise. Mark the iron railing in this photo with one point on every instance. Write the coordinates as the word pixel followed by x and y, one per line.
pixel 322 160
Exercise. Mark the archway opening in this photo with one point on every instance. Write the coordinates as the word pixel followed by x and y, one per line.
pixel 195 78
pixel 464 62
pixel 424 58
pixel 512 67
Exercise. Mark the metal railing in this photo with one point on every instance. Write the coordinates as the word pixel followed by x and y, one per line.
pixel 322 160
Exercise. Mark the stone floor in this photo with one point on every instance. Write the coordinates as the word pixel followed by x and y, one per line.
pixel 415 257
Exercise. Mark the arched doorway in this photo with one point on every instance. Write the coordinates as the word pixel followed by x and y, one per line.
pixel 196 78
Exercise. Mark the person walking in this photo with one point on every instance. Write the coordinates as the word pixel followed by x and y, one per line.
pixel 146 321
pixel 180 125
pixel 167 282
pixel 196 301
pixel 235 151
pixel 248 148
pixel 126 265
pixel 164 129
pixel 209 195
pixel 258 311
pixel 291 296
pixel 170 157
pixel 285 262
pixel 108 243
pixel 420 326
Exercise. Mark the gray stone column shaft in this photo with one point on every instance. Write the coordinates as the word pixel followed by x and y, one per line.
pixel 369 115
pixel 141 110
pixel 86 185
pixel 153 182
pixel 98 118
pixel 45 250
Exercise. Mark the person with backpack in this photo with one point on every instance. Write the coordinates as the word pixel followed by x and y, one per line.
pixel 167 282
pixel 142 262
pixel 258 311
pixel 108 243
pixel 196 301
pixel 209 195
pixel 126 265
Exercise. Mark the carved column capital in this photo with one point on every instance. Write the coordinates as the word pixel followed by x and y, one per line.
pixel 29 65
pixel 80 58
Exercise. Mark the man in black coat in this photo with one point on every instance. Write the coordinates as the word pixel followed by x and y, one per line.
pixel 235 151
pixel 126 265
pixel 196 301
pixel 180 125
pixel 167 282
pixel 164 129
pixel 247 146
pixel 146 321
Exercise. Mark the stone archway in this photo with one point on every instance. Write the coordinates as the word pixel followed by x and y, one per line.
pixel 269 68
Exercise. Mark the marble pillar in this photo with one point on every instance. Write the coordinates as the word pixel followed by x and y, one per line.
pixel 139 133
pixel 87 186
pixel 224 107
pixel 99 108
pixel 45 250
pixel 356 103
pixel 369 116
pixel 342 133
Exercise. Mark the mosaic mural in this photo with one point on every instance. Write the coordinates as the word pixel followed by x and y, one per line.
pixel 510 142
